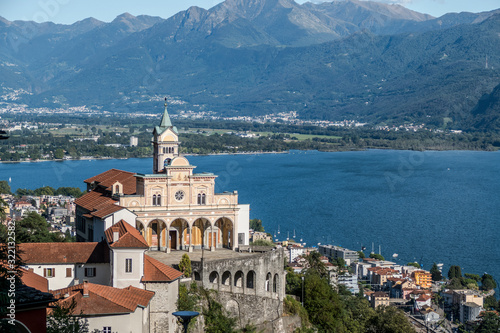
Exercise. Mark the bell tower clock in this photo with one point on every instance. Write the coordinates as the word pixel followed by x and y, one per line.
pixel 165 143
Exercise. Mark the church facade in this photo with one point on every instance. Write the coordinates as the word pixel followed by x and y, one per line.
pixel 174 208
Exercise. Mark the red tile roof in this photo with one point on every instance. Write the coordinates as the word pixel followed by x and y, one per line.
pixel 34 280
pixel 108 178
pixel 99 204
pixel 103 299
pixel 61 253
pixel 156 271
pixel 129 236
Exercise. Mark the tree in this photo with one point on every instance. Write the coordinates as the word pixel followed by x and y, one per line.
pixel 217 319
pixel 62 320
pixel 489 324
pixel 389 320
pixel 185 265
pixel 361 254
pixel 414 264
pixel 3 207
pixel 59 153
pixel 256 225
pixel 4 187
pixel 454 272
pixel 315 264
pixel 263 242
pixel 436 273
pixel 488 282
pixel 46 190
pixel 34 229
pixel 377 256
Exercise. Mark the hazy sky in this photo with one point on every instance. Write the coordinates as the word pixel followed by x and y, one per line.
pixel 70 11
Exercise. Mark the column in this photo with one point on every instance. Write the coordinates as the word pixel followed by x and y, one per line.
pixel 190 248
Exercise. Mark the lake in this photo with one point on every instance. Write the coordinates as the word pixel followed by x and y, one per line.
pixel 441 207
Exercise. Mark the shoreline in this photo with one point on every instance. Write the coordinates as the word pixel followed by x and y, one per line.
pixel 89 158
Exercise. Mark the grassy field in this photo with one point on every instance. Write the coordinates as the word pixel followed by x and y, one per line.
pixel 300 137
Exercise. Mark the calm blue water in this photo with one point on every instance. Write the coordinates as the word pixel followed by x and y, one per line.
pixel 430 207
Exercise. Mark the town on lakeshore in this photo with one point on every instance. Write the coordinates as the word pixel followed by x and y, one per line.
pixel 133 250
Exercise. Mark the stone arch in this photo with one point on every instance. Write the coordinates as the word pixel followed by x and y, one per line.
pixel 141 226
pixel 197 276
pixel 239 279
pixel 251 279
pixel 226 278
pixel 275 283
pixel 225 232
pixel 223 201
pixel 156 234
pixel 268 282
pixel 178 233
pixel 201 232
pixel 214 277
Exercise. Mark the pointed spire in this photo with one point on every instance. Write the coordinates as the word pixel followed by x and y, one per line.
pixel 165 120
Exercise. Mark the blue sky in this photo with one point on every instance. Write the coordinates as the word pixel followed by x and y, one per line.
pixel 70 11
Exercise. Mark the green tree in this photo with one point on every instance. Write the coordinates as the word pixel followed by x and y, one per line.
pixel 262 242
pixel 436 273
pixel 454 272
pixel 33 228
pixel 46 190
pixel 488 282
pixel 63 320
pixel 3 208
pixel 414 264
pixel 59 153
pixel 188 297
pixel 489 324
pixel 377 256
pixel 217 320
pixel 185 265
pixel 389 320
pixel 315 264
pixel 322 303
pixel 361 254
pixel 4 187
pixel 256 225
pixel 474 277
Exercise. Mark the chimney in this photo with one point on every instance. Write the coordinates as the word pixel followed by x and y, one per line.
pixel 116 236
pixel 85 289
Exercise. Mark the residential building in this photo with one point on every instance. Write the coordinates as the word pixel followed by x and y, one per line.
pixel 422 279
pixel 334 252
pixel 350 281
pixel 469 311
pixel 379 298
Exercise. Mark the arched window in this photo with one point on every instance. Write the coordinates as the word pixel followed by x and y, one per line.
pixel 214 277
pixel 199 199
pixel 203 199
pixel 226 278
pixel 158 200
pixel 268 282
pixel 117 189
pixel 238 279
pixel 251 279
pixel 154 200
pixel 275 283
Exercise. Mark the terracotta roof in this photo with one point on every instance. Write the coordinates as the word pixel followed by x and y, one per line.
pixel 61 253
pixel 99 204
pixel 110 177
pixel 129 236
pixel 380 294
pixel 424 298
pixel 34 280
pixel 103 299
pixel 156 271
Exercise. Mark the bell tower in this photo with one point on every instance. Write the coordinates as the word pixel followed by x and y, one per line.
pixel 165 143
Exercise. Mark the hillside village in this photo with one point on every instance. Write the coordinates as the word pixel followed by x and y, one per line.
pixel 133 231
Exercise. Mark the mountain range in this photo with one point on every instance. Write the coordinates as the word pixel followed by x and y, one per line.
pixel 334 60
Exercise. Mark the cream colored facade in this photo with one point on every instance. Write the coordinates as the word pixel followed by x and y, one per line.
pixel 178 209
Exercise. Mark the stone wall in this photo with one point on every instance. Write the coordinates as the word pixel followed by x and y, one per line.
pixel 251 288
pixel 162 305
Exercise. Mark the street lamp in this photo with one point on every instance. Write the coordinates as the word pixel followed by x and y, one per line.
pixel 302 299
pixel 185 317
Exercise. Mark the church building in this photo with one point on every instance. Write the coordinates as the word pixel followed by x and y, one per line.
pixel 173 207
